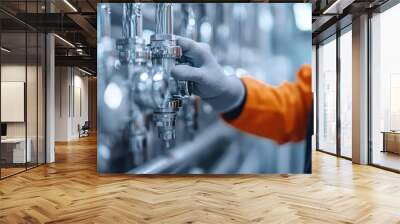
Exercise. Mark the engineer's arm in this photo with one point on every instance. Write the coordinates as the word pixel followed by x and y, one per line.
pixel 279 113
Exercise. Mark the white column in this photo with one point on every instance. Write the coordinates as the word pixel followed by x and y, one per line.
pixel 360 90
pixel 50 99
pixel 50 93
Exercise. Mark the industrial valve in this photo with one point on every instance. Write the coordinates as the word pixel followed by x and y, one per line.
pixel 133 55
pixel 149 69
pixel 138 91
pixel 165 53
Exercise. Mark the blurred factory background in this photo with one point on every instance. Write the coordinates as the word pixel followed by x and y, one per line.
pixel 267 41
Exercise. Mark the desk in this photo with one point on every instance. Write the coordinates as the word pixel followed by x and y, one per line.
pixel 13 150
pixel 391 141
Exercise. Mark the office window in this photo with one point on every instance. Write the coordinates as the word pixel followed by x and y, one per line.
pixel 327 96
pixel 385 89
pixel 346 93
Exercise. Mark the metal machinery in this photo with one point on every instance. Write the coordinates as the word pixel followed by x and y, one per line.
pixel 150 123
pixel 153 86
pixel 143 72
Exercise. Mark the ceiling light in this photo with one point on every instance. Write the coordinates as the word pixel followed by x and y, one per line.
pixel 5 50
pixel 337 7
pixel 65 41
pixel 329 9
pixel 70 5
pixel 84 71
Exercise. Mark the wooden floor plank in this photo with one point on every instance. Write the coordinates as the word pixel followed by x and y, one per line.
pixel 70 191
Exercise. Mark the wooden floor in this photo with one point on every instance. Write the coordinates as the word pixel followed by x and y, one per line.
pixel 70 191
pixel 387 159
pixel 8 171
pixel 11 170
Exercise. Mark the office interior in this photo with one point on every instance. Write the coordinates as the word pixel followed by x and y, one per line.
pixel 366 79
pixel 45 97
pixel 49 79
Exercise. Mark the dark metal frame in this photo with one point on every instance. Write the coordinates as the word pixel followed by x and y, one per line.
pixel 316 97
pixel 338 100
pixel 369 90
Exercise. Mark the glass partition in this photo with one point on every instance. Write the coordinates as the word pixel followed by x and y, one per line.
pixel 22 67
pixel 14 151
pixel 327 96
pixel 31 99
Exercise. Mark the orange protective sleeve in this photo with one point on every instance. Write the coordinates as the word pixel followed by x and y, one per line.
pixel 279 113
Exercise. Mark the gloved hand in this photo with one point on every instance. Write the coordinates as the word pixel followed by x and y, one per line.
pixel 222 92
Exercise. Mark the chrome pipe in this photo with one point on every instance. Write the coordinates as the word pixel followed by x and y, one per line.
pixel 164 18
pixel 138 20
pixel 132 20
pixel 213 138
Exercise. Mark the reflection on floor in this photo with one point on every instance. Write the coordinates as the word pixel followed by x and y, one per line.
pixel 10 171
pixel 387 159
pixel 14 169
pixel 70 191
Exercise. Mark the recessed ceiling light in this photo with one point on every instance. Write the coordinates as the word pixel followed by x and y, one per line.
pixel 84 71
pixel 64 40
pixel 70 5
pixel 337 7
pixel 5 49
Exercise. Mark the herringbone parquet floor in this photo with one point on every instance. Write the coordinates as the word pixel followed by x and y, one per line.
pixel 70 191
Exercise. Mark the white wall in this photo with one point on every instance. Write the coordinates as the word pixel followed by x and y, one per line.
pixel 16 72
pixel 10 73
pixel 61 103
pixel 71 94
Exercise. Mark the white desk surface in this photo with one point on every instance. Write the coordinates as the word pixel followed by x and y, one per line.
pixel 19 152
pixel 13 140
